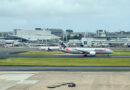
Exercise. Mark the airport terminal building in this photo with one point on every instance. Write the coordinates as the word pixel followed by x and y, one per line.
pixel 111 39
pixel 36 37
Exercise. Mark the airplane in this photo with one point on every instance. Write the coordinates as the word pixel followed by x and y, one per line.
pixel 50 48
pixel 85 51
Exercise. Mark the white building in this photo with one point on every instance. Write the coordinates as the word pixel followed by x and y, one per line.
pixel 2 41
pixel 101 33
pixel 75 42
pixel 38 36
pixel 104 42
pixel 33 35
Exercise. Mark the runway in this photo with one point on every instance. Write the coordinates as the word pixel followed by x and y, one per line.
pixel 13 53
pixel 61 56
pixel 67 68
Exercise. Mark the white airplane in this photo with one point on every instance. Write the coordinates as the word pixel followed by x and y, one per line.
pixel 86 51
pixel 50 48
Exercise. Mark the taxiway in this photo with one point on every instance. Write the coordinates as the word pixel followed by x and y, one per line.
pixel 67 68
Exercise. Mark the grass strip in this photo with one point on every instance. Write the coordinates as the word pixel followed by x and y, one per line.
pixel 121 53
pixel 67 61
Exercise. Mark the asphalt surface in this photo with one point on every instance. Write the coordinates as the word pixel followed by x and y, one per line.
pixel 66 68
pixel 68 56
pixel 37 80
pixel 12 52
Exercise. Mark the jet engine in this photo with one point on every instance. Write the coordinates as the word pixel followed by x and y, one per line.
pixel 46 49
pixel 92 53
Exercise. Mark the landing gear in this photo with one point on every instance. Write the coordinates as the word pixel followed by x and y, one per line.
pixel 108 55
pixel 85 55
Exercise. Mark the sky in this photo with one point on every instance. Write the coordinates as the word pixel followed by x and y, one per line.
pixel 78 15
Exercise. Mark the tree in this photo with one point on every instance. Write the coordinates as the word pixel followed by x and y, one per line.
pixel 0 34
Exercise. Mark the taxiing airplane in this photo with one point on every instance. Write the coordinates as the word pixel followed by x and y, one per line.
pixel 86 51
pixel 50 48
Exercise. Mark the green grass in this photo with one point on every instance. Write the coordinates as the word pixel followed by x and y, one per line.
pixel 41 53
pixel 67 61
pixel 121 53
pixel 121 49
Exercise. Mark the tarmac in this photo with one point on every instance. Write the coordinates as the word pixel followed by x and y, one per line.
pixel 67 68
pixel 83 80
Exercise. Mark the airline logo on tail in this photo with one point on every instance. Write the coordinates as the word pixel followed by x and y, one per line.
pixel 67 50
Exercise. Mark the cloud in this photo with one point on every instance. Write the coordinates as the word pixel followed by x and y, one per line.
pixel 51 7
pixel 64 13
pixel 60 7
pixel 37 7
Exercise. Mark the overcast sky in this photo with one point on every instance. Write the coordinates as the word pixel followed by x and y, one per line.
pixel 79 15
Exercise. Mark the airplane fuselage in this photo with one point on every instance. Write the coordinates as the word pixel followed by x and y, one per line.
pixel 91 51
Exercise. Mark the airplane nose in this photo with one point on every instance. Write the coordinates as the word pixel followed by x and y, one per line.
pixel 109 51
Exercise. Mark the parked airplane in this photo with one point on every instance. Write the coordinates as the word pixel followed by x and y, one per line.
pixel 50 48
pixel 86 51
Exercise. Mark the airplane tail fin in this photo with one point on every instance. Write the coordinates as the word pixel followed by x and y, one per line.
pixel 62 45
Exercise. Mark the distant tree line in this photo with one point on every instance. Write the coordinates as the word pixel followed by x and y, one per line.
pixel 0 34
